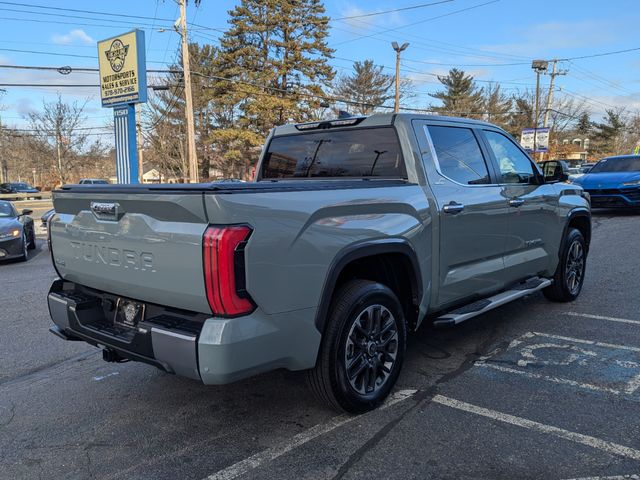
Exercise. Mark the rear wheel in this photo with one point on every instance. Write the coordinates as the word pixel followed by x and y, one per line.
pixel 362 348
pixel 569 276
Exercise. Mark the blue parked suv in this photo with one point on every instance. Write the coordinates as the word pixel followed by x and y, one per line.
pixel 613 182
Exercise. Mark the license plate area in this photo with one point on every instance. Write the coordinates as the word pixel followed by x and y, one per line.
pixel 128 313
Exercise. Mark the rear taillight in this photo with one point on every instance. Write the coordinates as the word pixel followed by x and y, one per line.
pixel 224 270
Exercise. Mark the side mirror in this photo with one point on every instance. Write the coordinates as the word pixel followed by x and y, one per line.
pixel 26 211
pixel 555 171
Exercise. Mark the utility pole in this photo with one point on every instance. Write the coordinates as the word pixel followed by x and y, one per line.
pixel 554 73
pixel 139 142
pixel 539 66
pixel 2 167
pixel 191 135
pixel 398 49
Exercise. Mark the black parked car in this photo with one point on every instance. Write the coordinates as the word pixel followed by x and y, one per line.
pixel 20 188
pixel 17 232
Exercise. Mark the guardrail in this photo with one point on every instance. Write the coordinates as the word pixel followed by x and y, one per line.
pixel 24 196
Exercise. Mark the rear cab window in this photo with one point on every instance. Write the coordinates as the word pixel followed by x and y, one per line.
pixel 353 153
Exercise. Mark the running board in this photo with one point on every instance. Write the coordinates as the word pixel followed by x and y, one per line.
pixel 481 306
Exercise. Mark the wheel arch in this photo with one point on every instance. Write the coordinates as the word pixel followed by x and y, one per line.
pixel 581 220
pixel 373 260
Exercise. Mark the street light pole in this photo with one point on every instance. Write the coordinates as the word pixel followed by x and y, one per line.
pixel 398 49
pixel 191 140
pixel 539 66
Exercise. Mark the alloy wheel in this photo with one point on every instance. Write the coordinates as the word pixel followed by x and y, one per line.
pixel 574 270
pixel 371 349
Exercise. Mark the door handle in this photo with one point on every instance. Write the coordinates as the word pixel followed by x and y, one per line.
pixel 453 208
pixel 516 202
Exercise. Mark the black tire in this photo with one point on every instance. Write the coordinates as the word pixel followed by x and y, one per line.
pixel 32 240
pixel 366 330
pixel 25 256
pixel 569 275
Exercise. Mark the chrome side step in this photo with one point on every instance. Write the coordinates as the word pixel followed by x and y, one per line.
pixel 481 306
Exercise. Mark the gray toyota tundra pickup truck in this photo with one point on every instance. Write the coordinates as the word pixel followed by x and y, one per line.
pixel 355 232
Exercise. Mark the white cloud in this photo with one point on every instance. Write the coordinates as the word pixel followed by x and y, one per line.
pixel 552 37
pixel 74 36
pixel 365 21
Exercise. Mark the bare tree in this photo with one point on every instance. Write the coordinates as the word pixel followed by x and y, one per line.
pixel 58 127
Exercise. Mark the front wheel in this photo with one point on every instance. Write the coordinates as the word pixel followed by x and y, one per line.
pixel 569 275
pixel 362 348
pixel 25 255
pixel 32 240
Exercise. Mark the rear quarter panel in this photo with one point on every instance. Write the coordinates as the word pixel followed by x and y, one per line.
pixel 297 235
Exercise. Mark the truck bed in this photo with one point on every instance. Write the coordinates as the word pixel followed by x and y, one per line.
pixel 152 251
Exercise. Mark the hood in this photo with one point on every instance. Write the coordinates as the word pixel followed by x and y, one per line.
pixel 9 223
pixel 27 190
pixel 606 179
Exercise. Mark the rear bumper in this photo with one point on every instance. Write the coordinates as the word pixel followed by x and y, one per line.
pixel 213 350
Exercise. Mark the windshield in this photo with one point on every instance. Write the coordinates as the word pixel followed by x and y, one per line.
pixel 6 210
pixel 617 164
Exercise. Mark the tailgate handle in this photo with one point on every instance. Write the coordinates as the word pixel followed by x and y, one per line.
pixel 106 210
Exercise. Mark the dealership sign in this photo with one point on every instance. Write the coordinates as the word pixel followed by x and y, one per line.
pixel 123 77
pixel 537 136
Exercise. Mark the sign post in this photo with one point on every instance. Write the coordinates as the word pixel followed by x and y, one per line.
pixel 535 140
pixel 123 83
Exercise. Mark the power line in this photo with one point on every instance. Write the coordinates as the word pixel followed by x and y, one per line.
pixel 420 22
pixel 615 52
pixel 39 52
pixel 393 11
pixel 95 12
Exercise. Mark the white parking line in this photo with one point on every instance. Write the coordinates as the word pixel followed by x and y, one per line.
pixel 587 440
pixel 298 440
pixel 613 477
pixel 602 317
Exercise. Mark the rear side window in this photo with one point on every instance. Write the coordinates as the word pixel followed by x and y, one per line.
pixel 459 155
pixel 365 152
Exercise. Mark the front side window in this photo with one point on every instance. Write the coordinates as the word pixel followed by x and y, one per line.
pixel 364 152
pixel 515 166
pixel 459 155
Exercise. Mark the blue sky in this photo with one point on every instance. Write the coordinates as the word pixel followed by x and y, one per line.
pixel 495 41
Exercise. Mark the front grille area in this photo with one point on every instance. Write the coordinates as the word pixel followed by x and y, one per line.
pixel 614 196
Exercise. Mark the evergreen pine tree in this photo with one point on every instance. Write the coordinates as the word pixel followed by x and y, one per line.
pixel 367 87
pixel 277 55
pixel 609 132
pixel 497 105
pixel 584 125
pixel 461 97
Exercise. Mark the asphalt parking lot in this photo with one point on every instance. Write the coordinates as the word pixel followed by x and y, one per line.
pixel 530 390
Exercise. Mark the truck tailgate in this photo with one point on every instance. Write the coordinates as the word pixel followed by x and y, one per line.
pixel 145 247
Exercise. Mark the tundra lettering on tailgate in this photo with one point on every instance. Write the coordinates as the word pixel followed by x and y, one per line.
pixel 114 257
